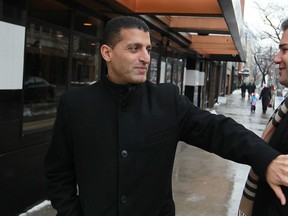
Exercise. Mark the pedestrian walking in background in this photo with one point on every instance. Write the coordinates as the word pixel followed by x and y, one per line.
pixel 258 198
pixel 265 96
pixel 114 142
pixel 253 102
pixel 249 89
pixel 253 87
pixel 243 89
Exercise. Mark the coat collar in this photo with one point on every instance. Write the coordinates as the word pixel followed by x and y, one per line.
pixel 120 91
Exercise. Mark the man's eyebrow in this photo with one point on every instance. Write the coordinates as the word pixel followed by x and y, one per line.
pixel 282 45
pixel 138 45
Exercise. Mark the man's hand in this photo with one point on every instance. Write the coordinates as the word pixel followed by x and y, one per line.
pixel 277 175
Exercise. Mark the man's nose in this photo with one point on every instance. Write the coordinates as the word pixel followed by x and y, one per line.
pixel 277 58
pixel 145 56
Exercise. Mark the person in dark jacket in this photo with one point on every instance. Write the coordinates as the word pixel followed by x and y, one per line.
pixel 266 203
pixel 249 89
pixel 265 96
pixel 243 89
pixel 114 142
pixel 253 87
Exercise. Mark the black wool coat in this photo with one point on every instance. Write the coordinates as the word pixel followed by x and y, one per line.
pixel 113 148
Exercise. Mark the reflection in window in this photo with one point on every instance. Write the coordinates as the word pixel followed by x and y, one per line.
pixel 51 11
pixel 168 71
pixel 86 62
pixel 88 25
pixel 174 73
pixel 153 68
pixel 44 76
pixel 179 71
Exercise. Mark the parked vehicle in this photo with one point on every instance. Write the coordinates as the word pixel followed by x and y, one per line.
pixel 37 89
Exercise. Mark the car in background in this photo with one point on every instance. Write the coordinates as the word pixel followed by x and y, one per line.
pixel 37 89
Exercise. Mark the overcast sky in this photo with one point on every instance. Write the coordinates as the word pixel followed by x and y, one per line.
pixel 277 10
pixel 251 12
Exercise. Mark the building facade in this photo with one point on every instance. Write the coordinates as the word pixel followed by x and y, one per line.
pixel 49 47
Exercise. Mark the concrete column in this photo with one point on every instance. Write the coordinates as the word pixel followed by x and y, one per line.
pixel 212 88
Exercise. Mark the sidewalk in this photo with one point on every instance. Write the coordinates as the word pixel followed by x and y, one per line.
pixel 203 183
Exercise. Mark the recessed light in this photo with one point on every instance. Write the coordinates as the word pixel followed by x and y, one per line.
pixel 87 24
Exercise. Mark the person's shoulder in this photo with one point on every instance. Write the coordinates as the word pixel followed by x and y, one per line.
pixel 82 91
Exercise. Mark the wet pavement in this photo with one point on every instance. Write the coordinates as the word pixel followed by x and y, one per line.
pixel 203 183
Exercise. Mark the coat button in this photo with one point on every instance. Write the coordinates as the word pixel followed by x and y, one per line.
pixel 123 199
pixel 122 92
pixel 124 153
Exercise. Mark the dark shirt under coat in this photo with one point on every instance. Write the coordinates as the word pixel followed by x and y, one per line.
pixel 118 143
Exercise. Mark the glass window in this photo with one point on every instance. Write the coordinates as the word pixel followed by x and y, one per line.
pixel 13 11
pixel 51 11
pixel 153 68
pixel 54 47
pixel 175 72
pixel 88 25
pixel 168 71
pixel 46 63
pixel 86 62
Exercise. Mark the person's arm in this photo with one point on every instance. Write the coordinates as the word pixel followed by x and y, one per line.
pixel 223 136
pixel 59 168
pixel 228 139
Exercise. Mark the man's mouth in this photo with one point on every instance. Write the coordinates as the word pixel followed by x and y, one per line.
pixel 141 68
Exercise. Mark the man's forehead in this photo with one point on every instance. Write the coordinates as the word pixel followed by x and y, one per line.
pixel 133 38
pixel 284 37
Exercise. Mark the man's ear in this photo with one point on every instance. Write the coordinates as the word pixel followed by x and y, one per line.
pixel 106 52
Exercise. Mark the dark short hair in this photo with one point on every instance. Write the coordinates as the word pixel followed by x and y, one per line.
pixel 114 26
pixel 284 25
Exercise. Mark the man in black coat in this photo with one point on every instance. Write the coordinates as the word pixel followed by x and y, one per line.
pixel 249 89
pixel 114 142
pixel 243 89
pixel 266 202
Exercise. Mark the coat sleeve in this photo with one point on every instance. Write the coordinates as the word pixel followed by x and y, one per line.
pixel 59 168
pixel 223 136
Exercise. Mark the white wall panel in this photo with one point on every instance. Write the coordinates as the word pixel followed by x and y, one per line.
pixel 194 78
pixel 12 42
